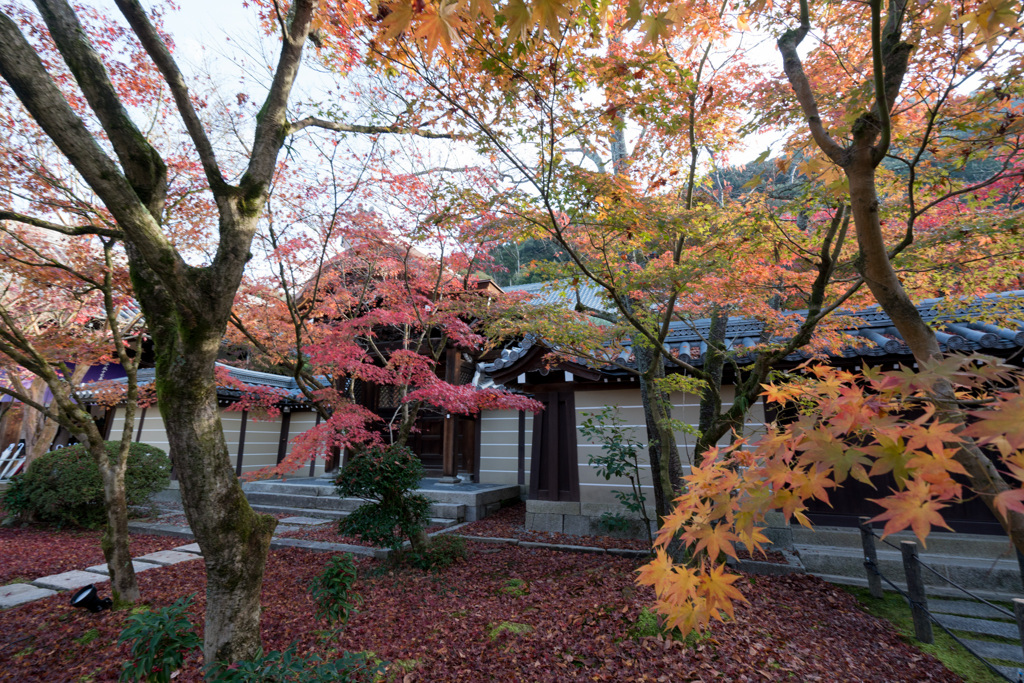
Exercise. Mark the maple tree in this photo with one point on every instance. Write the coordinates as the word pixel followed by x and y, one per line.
pixel 65 308
pixel 80 79
pixel 372 302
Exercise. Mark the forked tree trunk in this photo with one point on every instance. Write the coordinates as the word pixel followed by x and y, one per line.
pixel 666 469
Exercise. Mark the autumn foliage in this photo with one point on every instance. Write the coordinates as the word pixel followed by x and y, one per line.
pixel 845 425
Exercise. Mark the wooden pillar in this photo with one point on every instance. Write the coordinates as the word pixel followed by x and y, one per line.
pixel 282 444
pixel 551 453
pixel 522 447
pixel 241 443
pixel 142 418
pixel 449 468
pixel 312 459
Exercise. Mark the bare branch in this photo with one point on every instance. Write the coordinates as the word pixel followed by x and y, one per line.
pixel 312 121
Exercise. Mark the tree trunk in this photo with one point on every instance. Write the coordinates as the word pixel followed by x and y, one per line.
pixel 881 278
pixel 115 541
pixel 711 397
pixel 666 469
pixel 234 539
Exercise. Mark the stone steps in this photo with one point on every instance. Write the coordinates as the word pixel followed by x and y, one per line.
pixel 942 543
pixel 994 575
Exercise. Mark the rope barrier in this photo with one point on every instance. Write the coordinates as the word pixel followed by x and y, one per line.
pixel 951 582
pixel 934 620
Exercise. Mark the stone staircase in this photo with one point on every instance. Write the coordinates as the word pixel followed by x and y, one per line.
pixel 450 503
pixel 985 564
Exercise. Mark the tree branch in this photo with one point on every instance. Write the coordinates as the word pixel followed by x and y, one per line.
pixel 57 227
pixel 313 122
pixel 161 56
pixel 791 64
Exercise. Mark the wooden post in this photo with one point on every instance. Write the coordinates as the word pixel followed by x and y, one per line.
pixel 449 468
pixel 1018 611
pixel 867 539
pixel 915 589
pixel 1020 564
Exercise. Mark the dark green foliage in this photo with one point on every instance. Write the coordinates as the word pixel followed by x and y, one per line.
pixel 14 500
pixel 619 457
pixel 64 486
pixel 159 641
pixel 288 666
pixel 385 477
pixel 332 590
pixel 441 553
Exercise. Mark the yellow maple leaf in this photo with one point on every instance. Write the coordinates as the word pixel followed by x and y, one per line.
pixel 439 26
pixel 548 13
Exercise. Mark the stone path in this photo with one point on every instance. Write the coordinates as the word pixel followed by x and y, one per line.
pixel 975 618
pixel 46 586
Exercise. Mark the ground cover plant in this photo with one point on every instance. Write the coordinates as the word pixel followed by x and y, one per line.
pixel 31 552
pixel 507 614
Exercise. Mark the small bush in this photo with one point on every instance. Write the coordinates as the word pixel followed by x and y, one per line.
pixel 441 553
pixel 64 486
pixel 288 666
pixel 15 499
pixel 332 590
pixel 385 477
pixel 159 641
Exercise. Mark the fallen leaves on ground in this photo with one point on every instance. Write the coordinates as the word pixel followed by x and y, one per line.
pixel 32 552
pixel 510 522
pixel 505 614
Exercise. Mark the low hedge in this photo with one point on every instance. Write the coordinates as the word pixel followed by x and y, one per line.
pixel 64 486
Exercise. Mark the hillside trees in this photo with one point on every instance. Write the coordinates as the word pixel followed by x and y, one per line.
pixel 80 80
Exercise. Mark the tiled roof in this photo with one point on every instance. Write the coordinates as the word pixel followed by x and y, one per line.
pixel 290 387
pixel 875 335
pixel 562 292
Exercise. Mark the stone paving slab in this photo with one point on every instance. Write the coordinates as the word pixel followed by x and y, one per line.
pixel 1008 652
pixel 69 580
pixel 136 565
pixel 304 521
pixel 20 593
pixel 325 547
pixel 965 608
pixel 161 530
pixel 190 548
pixel 1003 629
pixel 166 557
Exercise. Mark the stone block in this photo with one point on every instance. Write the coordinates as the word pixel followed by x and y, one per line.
pixel 554 507
pixel 166 557
pixel 67 581
pixel 544 522
pixel 20 593
pixel 190 548
pixel 577 525
pixel 303 521
pixel 137 565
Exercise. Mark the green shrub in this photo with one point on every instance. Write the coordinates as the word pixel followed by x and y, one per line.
pixel 287 666
pixel 15 498
pixel 159 641
pixel 332 590
pixel 64 486
pixel 441 553
pixel 385 477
